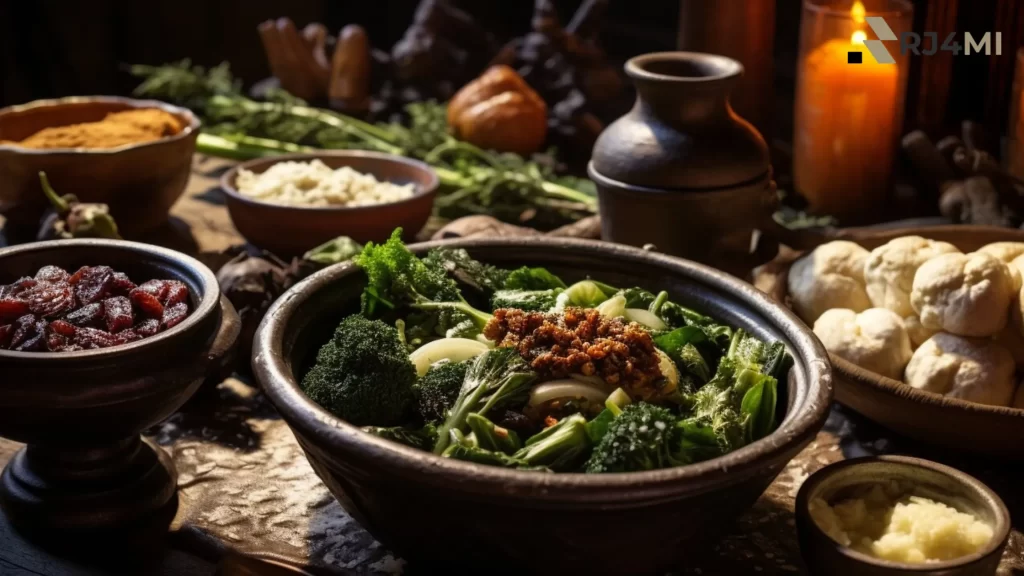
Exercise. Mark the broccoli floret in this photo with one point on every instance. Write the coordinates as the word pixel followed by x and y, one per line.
pixel 641 438
pixel 437 390
pixel 396 277
pixel 363 374
pixel 529 300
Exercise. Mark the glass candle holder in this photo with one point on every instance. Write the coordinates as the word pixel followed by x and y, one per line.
pixel 849 105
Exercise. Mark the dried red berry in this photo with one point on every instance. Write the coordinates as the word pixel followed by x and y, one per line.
pixel 175 293
pixel 63 328
pixel 157 288
pixel 173 315
pixel 92 284
pixel 120 285
pixel 129 335
pixel 52 274
pixel 147 303
pixel 148 327
pixel 56 343
pixel 91 338
pixel 117 312
pixel 12 309
pixel 86 315
pixel 29 334
pixel 50 300
pixel 15 289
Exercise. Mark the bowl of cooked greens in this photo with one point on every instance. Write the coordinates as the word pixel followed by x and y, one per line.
pixel 541 405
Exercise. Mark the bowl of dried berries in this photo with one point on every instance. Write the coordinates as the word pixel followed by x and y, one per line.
pixel 99 339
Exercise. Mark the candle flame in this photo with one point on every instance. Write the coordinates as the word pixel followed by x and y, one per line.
pixel 858 37
pixel 857 12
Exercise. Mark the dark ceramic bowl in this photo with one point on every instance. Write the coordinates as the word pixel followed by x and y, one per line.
pixel 80 413
pixel 825 556
pixel 140 182
pixel 292 230
pixel 444 512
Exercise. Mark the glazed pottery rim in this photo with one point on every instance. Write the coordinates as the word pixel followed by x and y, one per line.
pixel 189 130
pixel 892 386
pixel 822 7
pixel 227 181
pixel 310 420
pixel 1000 531
pixel 725 67
pixel 604 182
pixel 209 300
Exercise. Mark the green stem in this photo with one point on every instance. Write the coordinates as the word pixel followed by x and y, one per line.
pixel 480 319
pixel 239 147
pixel 457 418
pixel 59 204
pixel 659 301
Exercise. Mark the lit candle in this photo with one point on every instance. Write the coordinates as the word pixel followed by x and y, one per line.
pixel 846 124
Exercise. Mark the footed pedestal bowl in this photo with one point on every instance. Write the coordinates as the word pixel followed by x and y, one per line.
pixel 85 466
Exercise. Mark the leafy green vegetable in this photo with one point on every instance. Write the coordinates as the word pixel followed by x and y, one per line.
pixel 341 249
pixel 488 458
pixel 363 374
pixel 496 378
pixel 437 390
pixel 467 271
pixel 560 447
pixel 583 294
pixel 527 278
pixel 422 438
pixel 529 300
pixel 397 277
pixel 492 437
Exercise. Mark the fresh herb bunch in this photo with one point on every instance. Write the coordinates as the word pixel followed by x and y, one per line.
pixel 473 181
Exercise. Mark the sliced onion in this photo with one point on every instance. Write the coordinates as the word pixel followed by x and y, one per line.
pixel 613 307
pixel 646 318
pixel 567 388
pixel 451 349
pixel 668 368
pixel 595 381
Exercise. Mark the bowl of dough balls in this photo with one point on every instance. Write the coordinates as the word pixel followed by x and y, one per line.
pixel 924 328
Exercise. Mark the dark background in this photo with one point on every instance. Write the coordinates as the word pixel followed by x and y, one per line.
pixel 54 48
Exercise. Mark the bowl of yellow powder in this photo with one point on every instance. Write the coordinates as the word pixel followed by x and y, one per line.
pixel 893 515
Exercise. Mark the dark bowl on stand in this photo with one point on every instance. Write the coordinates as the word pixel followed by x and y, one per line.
pixel 85 466
pixel 139 182
pixel 443 512
pixel 292 230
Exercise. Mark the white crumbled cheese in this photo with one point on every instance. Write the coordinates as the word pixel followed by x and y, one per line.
pixel 906 528
pixel 316 184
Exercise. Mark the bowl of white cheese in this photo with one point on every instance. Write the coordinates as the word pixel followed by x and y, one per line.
pixel 291 203
pixel 895 515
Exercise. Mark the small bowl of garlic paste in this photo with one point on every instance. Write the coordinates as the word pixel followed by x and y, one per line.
pixel 892 515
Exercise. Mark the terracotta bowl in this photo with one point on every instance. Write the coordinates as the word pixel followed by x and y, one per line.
pixel 140 182
pixel 443 512
pixel 825 556
pixel 85 466
pixel 292 230
pixel 925 416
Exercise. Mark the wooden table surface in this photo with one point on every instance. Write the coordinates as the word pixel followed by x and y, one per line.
pixel 244 484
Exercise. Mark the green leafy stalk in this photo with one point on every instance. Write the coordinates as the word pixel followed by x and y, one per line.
pixel 61 204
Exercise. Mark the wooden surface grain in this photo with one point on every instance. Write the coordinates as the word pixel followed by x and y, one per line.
pixel 245 485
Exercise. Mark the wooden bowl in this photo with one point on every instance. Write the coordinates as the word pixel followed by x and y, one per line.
pixel 140 182
pixel 510 521
pixel 292 230
pixel 85 466
pixel 824 556
pixel 925 416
